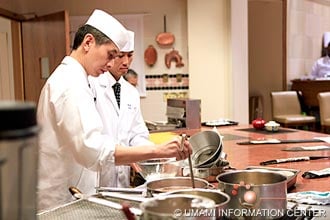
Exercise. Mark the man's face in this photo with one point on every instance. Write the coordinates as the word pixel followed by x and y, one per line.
pixel 99 58
pixel 121 64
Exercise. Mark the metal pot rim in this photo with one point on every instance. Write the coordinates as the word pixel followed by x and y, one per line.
pixel 251 171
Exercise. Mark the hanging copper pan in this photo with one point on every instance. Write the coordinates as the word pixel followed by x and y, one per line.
pixel 165 38
pixel 150 55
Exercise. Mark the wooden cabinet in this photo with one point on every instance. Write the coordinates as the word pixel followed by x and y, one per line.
pixel 310 89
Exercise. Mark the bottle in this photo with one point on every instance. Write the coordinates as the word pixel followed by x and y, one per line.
pixel 18 160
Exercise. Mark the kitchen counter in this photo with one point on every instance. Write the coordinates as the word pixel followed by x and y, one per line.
pixel 242 156
pixel 239 157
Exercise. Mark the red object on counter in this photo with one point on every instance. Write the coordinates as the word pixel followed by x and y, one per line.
pixel 129 215
pixel 258 123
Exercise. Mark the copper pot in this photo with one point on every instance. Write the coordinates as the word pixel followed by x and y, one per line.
pixel 165 38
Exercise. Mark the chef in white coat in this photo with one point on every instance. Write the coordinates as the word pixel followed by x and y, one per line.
pixel 72 144
pixel 123 123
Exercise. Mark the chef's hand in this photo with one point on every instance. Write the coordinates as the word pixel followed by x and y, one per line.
pixel 173 149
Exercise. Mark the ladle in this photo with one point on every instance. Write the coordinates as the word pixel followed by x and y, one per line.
pixel 184 137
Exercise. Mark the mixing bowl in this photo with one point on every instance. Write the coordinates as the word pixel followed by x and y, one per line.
pixel 159 168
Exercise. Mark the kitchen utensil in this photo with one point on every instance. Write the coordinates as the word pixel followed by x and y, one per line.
pixel 206 146
pixel 174 183
pixel 253 191
pixel 159 168
pixel 173 55
pixel 176 207
pixel 183 138
pixel 125 196
pixel 221 199
pixel 165 38
pixel 100 199
pixel 120 190
pixel 307 148
pixel 207 173
pixel 277 141
pixel 126 209
pixel 150 55
pixel 291 174
pixel 293 159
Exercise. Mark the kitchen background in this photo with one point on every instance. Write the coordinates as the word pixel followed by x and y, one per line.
pixel 231 49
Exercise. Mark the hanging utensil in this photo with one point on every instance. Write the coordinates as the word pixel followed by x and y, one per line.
pixel 150 55
pixel 165 38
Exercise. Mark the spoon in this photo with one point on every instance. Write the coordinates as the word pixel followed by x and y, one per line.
pixel 184 137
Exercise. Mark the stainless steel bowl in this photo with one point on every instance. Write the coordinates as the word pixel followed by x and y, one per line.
pixel 159 168
pixel 206 146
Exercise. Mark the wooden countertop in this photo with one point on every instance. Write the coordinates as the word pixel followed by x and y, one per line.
pixel 242 156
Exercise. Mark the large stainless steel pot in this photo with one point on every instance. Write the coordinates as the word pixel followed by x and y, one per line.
pixel 254 194
pixel 175 183
pixel 169 207
pixel 221 199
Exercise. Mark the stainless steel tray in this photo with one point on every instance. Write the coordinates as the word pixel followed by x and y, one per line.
pixel 291 174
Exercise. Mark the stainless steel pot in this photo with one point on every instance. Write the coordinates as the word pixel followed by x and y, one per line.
pixel 206 146
pixel 208 174
pixel 254 194
pixel 221 199
pixel 170 207
pixel 173 184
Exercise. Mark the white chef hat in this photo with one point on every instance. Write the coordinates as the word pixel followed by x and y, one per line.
pixel 130 43
pixel 109 26
pixel 326 39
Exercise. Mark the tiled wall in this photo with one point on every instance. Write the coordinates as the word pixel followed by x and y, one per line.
pixel 167 81
pixel 160 87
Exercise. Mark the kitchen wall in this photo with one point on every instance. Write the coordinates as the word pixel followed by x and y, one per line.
pixel 222 95
pixel 216 92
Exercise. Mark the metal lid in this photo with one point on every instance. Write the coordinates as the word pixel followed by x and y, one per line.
pixel 15 117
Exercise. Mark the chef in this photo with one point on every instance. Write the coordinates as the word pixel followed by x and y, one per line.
pixel 123 121
pixel 72 144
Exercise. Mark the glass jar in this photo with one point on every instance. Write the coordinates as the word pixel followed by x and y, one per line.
pixel 18 160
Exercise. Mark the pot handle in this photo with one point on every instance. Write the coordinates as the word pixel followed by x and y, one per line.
pixel 210 186
pixel 221 187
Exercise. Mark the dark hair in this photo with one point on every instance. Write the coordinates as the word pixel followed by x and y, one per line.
pixel 130 72
pixel 100 38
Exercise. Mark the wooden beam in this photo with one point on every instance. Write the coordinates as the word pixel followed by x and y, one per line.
pixel 11 15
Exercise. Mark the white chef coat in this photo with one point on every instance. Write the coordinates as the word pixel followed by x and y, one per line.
pixel 125 124
pixel 321 68
pixel 72 146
